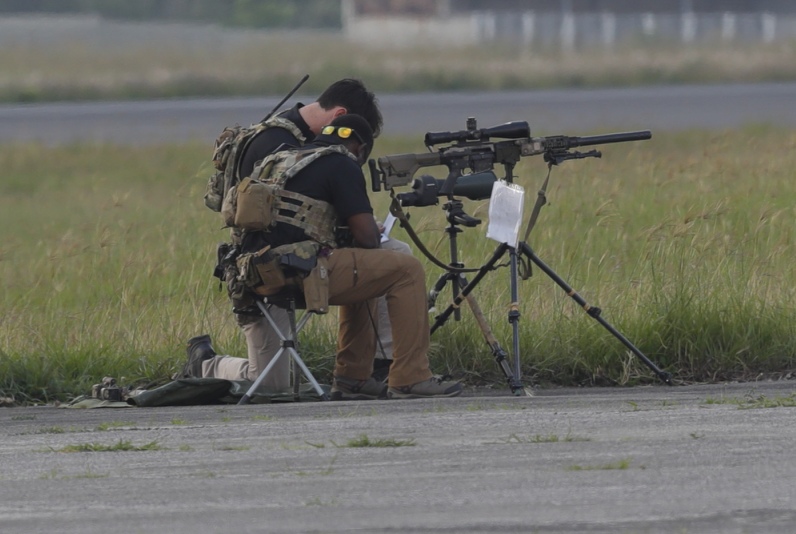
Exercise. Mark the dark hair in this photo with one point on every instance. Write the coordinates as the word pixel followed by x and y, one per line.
pixel 354 96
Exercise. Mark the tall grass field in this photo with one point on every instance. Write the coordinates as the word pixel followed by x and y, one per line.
pixel 686 241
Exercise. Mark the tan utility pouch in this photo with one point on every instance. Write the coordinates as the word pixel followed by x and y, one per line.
pixel 316 287
pixel 268 271
pixel 260 271
pixel 255 202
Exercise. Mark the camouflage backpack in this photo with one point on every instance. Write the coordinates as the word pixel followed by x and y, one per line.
pixel 229 146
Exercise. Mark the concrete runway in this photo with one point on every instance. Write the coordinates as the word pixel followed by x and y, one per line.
pixel 655 459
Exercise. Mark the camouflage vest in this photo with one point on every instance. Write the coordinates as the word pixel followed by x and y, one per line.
pixel 229 146
pixel 317 218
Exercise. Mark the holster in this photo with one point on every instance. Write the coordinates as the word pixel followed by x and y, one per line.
pixel 316 287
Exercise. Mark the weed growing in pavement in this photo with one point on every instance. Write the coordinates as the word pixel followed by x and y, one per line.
pixel 620 464
pixel 317 501
pixel 121 445
pixel 751 402
pixel 326 471
pixel 88 474
pixel 540 438
pixel 364 441
pixel 231 447
pixel 108 425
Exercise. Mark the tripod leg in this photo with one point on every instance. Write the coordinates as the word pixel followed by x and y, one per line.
pixel 437 289
pixel 514 311
pixel 594 312
pixel 488 266
pixel 247 397
pixel 497 351
pixel 500 355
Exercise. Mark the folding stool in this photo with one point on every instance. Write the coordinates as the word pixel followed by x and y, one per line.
pixel 290 300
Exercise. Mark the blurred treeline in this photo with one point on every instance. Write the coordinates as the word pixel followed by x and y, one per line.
pixel 238 13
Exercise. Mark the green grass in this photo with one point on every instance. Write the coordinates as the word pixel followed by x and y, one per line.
pixel 619 464
pixel 70 69
pixel 751 402
pixel 121 445
pixel 542 438
pixel 111 425
pixel 364 441
pixel 685 241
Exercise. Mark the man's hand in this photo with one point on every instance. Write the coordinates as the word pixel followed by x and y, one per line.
pixel 363 228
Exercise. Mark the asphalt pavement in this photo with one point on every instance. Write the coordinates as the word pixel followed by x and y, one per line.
pixel 573 112
pixel 653 459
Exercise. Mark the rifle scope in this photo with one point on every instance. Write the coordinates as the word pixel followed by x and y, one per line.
pixel 509 130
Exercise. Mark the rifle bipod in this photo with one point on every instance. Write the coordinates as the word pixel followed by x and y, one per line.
pixel 593 312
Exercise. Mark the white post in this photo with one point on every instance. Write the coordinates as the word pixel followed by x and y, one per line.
pixel 568 31
pixel 528 26
pixel 484 26
pixel 689 26
pixel 609 29
pixel 490 25
pixel 648 24
pixel 769 22
pixel 347 13
pixel 728 25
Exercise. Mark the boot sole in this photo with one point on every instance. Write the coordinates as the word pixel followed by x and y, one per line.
pixel 392 394
pixel 340 396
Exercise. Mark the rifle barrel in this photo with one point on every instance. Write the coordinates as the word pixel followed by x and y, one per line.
pixel 622 137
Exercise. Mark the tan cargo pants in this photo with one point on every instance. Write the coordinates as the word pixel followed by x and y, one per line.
pixel 384 345
pixel 356 278
pixel 262 343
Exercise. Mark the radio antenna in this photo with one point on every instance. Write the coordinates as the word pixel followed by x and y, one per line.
pixel 301 82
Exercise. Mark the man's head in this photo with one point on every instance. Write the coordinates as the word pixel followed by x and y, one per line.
pixel 343 96
pixel 351 131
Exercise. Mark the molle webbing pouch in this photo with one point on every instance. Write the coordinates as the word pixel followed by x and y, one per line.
pixel 315 217
pixel 260 272
pixel 268 271
pixel 255 205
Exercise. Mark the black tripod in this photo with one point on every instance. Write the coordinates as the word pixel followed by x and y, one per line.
pixel 456 217
pixel 462 290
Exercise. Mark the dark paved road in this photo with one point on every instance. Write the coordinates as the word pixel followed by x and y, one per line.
pixel 572 112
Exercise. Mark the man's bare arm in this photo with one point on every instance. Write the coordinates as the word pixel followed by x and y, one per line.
pixel 363 228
